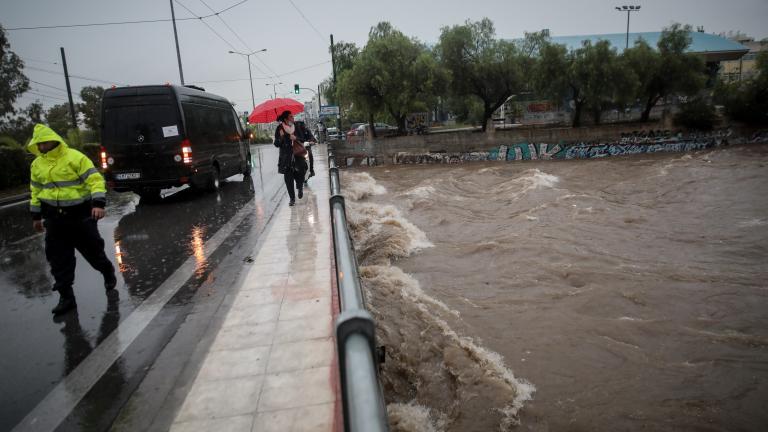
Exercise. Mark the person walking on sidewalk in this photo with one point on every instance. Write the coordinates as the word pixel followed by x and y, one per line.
pixel 305 135
pixel 291 166
pixel 68 196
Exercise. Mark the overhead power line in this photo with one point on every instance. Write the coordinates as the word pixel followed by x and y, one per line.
pixel 245 44
pixel 304 68
pixel 28 59
pixel 263 78
pixel 320 35
pixel 45 95
pixel 49 86
pixel 215 32
pixel 80 77
pixel 124 22
pixel 242 41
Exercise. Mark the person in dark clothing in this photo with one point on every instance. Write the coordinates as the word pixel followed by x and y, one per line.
pixel 68 196
pixel 293 168
pixel 304 133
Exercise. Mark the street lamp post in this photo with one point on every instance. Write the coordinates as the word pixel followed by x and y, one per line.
pixel 628 10
pixel 274 87
pixel 250 77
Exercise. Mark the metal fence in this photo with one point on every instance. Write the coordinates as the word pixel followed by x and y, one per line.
pixel 361 393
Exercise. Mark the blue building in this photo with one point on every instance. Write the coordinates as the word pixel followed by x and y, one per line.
pixel 714 48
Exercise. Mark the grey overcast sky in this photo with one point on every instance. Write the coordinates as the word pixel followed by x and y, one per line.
pixel 297 47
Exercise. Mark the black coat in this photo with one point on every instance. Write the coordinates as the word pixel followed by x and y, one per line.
pixel 286 161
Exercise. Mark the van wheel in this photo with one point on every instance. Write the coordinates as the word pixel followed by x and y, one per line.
pixel 248 166
pixel 149 196
pixel 214 183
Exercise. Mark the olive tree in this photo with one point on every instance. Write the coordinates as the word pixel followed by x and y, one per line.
pixel 481 66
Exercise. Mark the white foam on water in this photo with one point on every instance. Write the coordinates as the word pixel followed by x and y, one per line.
pixel 528 181
pixel 358 186
pixel 421 191
pixel 376 216
pixel 383 229
pixel 409 286
pixel 412 417
pixel 752 223
pixel 490 361
pixel 536 178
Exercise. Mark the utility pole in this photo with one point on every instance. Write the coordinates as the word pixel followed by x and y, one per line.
pixel 69 89
pixel 319 102
pixel 333 65
pixel 176 37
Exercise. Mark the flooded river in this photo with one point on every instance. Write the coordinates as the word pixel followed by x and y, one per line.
pixel 626 293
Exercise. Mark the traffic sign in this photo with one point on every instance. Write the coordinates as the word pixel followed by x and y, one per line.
pixel 329 110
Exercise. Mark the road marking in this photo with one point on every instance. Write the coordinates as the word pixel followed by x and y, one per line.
pixel 60 402
pixel 14 204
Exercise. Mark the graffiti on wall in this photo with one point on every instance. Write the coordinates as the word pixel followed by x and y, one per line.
pixel 627 144
pixel 652 141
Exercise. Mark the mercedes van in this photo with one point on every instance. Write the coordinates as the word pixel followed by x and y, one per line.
pixel 161 136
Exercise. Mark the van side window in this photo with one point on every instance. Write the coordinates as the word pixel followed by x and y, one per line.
pixel 203 123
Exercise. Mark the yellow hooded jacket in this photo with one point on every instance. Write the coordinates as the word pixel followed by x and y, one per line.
pixel 63 177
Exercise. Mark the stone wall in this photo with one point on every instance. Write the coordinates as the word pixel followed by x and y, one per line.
pixel 527 144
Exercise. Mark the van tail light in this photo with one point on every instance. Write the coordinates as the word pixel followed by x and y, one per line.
pixel 103 157
pixel 186 151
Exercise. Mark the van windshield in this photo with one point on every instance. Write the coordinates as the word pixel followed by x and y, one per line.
pixel 141 124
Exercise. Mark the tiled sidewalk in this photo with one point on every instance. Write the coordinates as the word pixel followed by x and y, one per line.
pixel 272 365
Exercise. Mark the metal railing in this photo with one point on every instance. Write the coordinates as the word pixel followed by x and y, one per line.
pixel 362 399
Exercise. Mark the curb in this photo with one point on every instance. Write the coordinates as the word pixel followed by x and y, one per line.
pixel 14 199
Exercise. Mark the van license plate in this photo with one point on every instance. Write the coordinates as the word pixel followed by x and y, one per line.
pixel 127 176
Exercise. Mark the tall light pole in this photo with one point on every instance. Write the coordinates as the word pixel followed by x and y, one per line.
pixel 250 77
pixel 274 87
pixel 628 10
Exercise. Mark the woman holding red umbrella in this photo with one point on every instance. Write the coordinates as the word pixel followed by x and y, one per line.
pixel 291 163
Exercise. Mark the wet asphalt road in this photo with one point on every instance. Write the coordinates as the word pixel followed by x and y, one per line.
pixel 149 244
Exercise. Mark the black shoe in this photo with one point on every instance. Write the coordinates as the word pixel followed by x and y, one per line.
pixel 291 203
pixel 110 282
pixel 311 173
pixel 65 304
pixel 301 193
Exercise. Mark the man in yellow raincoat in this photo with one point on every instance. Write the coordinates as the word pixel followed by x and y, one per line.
pixel 69 195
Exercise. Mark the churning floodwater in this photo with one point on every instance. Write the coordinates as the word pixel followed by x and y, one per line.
pixel 626 293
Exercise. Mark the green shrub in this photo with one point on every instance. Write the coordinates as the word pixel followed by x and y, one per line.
pixel 89 136
pixel 73 139
pixel 696 114
pixel 6 141
pixel 14 166
pixel 92 151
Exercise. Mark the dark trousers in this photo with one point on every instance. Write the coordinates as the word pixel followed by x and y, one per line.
pixel 290 177
pixel 62 237
pixel 311 161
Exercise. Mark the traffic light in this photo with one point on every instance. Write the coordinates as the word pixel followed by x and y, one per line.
pixel 296 88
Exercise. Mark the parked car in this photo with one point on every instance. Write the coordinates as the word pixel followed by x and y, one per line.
pixel 333 134
pixel 382 129
pixel 156 137
pixel 353 129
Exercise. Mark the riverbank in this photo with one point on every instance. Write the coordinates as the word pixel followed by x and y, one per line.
pixel 534 144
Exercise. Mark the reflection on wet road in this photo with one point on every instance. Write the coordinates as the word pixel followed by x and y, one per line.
pixel 148 244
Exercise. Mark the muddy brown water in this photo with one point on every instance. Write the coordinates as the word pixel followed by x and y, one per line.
pixel 630 292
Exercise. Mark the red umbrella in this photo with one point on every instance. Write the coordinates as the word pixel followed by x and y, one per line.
pixel 267 112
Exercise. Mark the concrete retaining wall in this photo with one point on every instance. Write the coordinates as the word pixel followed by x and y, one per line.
pixel 527 144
